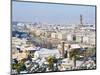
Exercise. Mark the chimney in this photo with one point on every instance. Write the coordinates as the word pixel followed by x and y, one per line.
pixel 63 43
pixel 68 51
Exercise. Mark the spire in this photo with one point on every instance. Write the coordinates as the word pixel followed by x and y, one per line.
pixel 81 19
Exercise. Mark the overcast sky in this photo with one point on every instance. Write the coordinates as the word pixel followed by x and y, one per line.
pixel 52 13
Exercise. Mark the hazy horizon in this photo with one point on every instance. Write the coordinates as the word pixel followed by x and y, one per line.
pixel 52 13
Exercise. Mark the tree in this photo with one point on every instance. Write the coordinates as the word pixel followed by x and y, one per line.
pixel 20 66
pixel 51 60
pixel 74 55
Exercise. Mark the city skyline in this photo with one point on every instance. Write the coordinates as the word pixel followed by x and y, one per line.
pixel 52 13
pixel 51 37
